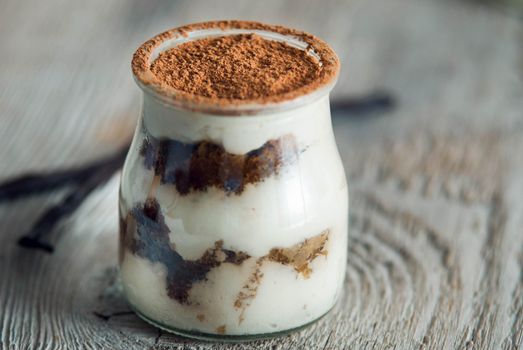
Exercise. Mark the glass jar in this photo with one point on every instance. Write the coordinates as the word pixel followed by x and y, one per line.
pixel 233 216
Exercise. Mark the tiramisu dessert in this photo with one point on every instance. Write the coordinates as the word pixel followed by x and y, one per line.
pixel 233 199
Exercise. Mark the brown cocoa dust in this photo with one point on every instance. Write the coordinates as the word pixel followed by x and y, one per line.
pixel 239 67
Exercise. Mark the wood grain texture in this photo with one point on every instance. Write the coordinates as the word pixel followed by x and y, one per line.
pixel 436 235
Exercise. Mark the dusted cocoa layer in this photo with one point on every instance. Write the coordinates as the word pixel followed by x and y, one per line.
pixel 200 165
pixel 144 233
pixel 142 59
pixel 237 67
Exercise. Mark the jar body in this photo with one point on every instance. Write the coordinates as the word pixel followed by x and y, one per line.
pixel 233 226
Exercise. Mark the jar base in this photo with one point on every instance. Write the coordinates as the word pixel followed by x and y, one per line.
pixel 224 338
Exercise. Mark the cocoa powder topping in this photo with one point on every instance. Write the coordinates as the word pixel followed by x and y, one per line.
pixel 239 67
pixel 221 72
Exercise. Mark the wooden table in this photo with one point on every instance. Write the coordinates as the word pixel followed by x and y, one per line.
pixel 436 252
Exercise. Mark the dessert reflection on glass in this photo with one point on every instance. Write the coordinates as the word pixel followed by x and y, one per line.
pixel 233 199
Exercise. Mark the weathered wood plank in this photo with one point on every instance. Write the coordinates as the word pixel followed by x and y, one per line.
pixel 436 253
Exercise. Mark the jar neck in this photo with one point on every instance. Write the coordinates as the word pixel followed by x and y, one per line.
pixel 238 134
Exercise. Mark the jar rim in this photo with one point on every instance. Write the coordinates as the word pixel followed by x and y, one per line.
pixel 152 85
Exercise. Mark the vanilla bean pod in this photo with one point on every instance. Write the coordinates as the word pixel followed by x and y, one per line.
pixel 31 184
pixel 37 183
pixel 71 202
pixel 377 102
